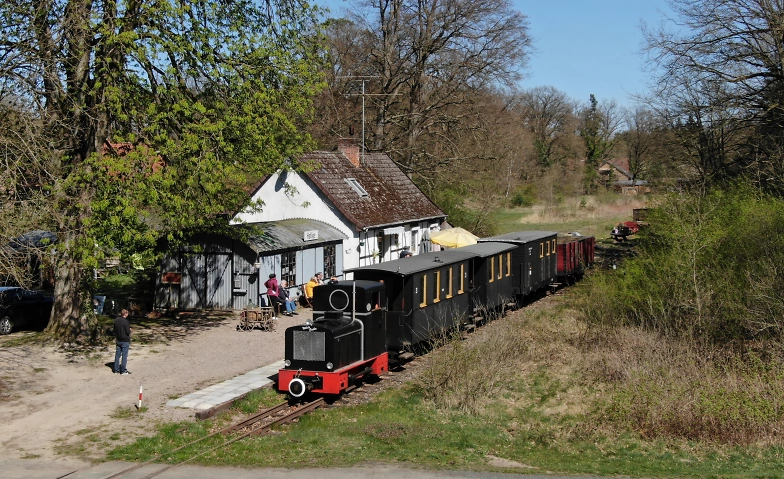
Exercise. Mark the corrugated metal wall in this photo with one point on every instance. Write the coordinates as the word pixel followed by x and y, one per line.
pixel 223 276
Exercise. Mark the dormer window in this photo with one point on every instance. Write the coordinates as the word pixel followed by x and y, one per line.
pixel 357 187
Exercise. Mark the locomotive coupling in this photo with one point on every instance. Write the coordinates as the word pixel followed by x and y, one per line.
pixel 300 385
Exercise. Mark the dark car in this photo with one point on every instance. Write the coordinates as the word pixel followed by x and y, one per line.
pixel 21 307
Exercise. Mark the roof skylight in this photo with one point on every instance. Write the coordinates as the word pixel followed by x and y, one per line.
pixel 357 187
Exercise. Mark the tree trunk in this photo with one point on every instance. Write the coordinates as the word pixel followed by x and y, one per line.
pixel 69 322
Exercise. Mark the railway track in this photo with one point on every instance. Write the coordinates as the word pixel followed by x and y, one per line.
pixel 255 425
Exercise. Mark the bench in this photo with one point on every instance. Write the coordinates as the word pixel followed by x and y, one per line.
pixel 262 318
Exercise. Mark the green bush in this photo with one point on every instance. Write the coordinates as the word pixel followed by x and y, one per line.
pixel 521 200
pixel 708 268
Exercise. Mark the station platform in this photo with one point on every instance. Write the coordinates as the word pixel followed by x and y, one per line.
pixel 228 390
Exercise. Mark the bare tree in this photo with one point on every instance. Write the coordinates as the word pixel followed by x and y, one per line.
pixel 430 58
pixel 724 61
pixel 642 139
pixel 548 114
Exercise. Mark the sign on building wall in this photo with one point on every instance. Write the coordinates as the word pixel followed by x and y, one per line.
pixel 310 235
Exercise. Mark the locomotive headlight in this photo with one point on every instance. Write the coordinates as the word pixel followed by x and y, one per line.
pixel 287 363
pixel 330 366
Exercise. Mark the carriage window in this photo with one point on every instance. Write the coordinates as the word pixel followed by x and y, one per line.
pixel 553 246
pixel 423 290
pixel 500 269
pixel 541 250
pixel 462 279
pixel 288 267
pixel 492 270
pixel 508 264
pixel 548 248
pixel 449 282
pixel 437 286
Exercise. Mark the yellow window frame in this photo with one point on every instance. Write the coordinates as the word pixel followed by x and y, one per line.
pixel 449 283
pixel 437 286
pixel 423 285
pixel 492 269
pixel 541 250
pixel 500 266
pixel 553 245
pixel 508 264
pixel 462 280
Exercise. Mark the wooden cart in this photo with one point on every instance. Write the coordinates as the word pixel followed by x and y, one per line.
pixel 262 318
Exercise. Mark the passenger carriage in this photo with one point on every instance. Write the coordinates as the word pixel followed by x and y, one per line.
pixel 534 260
pixel 492 284
pixel 427 294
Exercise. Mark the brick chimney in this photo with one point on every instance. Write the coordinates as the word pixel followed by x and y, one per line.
pixel 350 149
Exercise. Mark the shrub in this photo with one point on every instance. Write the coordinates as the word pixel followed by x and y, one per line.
pixel 701 271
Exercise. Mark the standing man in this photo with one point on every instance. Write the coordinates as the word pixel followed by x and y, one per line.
pixel 122 335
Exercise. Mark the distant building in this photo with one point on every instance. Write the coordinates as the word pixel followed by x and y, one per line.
pixel 615 174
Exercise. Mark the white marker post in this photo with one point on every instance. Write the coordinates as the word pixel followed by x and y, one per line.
pixel 140 397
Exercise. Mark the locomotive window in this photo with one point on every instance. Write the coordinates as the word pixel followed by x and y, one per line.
pixel 288 267
pixel 541 250
pixel 423 290
pixel 462 279
pixel 492 269
pixel 449 283
pixel 437 286
pixel 500 268
pixel 508 264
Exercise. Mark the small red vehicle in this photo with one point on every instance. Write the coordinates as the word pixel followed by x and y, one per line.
pixel 623 230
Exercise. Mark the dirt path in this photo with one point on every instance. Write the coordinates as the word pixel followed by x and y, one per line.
pixel 51 400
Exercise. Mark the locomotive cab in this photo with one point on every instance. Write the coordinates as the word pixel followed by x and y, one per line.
pixel 341 344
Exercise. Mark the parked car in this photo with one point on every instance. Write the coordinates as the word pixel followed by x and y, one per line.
pixel 21 307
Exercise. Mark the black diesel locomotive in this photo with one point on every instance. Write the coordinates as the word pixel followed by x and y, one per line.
pixel 360 326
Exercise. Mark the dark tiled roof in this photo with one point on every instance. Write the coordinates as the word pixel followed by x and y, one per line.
pixel 392 196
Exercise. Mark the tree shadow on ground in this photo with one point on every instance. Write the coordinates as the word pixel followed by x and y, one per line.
pixel 177 326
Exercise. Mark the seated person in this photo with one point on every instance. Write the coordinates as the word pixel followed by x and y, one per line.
pixel 333 280
pixel 285 299
pixel 309 289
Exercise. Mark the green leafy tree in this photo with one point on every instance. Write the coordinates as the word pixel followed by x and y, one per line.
pixel 133 120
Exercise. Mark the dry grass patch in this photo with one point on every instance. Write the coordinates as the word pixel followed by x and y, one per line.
pixel 661 387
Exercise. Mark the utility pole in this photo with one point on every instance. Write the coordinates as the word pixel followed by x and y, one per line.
pixel 364 79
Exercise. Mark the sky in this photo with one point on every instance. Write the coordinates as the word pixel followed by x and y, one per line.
pixel 583 46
